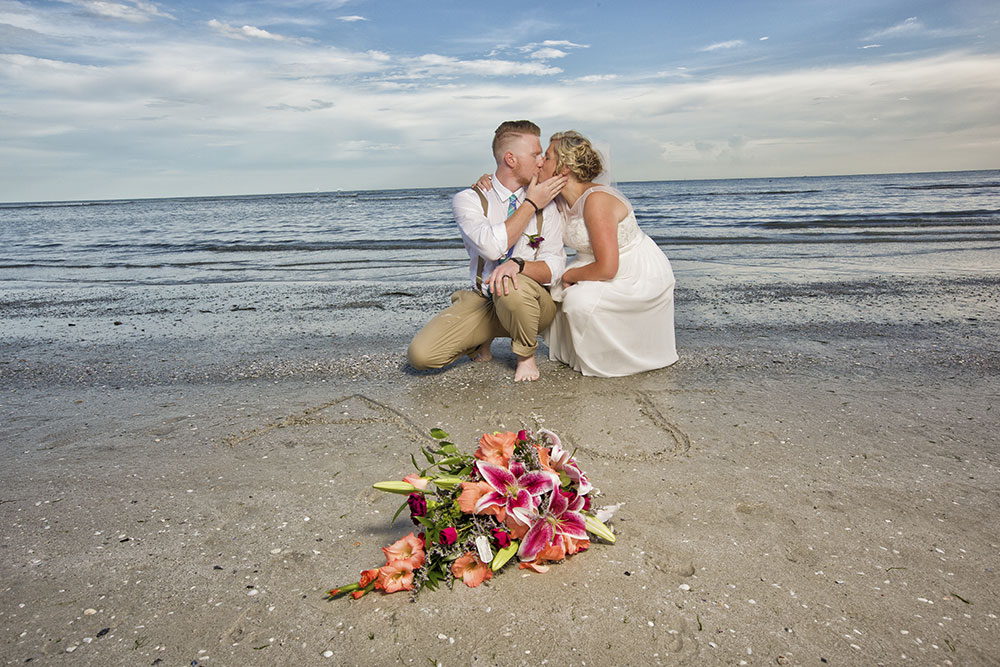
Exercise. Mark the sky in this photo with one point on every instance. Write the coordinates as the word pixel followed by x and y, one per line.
pixel 103 99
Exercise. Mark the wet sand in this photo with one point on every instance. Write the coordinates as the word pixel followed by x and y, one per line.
pixel 815 482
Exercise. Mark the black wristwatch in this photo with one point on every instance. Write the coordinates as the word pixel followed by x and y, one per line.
pixel 519 262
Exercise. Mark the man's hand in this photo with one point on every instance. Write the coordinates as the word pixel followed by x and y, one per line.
pixel 503 278
pixel 544 192
pixel 567 279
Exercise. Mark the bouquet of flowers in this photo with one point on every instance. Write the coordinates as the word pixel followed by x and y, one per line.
pixel 520 494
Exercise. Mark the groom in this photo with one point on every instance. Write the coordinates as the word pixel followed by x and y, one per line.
pixel 513 234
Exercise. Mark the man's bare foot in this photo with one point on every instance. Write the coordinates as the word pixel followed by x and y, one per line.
pixel 483 353
pixel 527 369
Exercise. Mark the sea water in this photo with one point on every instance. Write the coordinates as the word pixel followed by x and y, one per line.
pixel 781 225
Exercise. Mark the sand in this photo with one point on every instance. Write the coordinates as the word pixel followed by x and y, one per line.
pixel 815 482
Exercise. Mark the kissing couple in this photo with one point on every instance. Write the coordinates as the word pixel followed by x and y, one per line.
pixel 609 313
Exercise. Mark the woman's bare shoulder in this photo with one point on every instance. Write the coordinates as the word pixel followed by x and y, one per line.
pixel 601 205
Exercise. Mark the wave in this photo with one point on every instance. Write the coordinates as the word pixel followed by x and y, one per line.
pixel 62 204
pixel 722 193
pixel 290 246
pixel 361 195
pixel 945 186
pixel 866 238
pixel 971 218
pixel 978 216
pixel 175 268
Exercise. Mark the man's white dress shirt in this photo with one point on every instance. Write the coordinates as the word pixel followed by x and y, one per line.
pixel 485 236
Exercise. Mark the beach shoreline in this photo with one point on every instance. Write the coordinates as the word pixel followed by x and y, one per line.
pixel 813 483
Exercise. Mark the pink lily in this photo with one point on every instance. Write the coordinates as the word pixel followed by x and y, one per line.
pixel 562 517
pixel 515 489
pixel 560 459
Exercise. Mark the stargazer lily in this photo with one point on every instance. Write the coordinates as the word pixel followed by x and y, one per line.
pixel 561 460
pixel 515 489
pixel 561 517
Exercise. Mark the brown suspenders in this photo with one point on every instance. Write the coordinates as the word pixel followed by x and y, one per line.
pixel 481 262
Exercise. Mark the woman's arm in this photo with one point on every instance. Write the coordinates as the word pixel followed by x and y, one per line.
pixel 601 213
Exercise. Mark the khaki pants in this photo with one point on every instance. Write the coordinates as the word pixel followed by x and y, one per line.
pixel 471 320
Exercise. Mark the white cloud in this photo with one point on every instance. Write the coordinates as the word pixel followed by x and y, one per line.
pixel 245 32
pixel 329 62
pixel 363 145
pixel 731 44
pixel 351 19
pixel 327 4
pixel 908 27
pixel 558 43
pixel 311 105
pixel 446 65
pixel 593 78
pixel 550 48
pixel 136 11
pixel 548 53
pixel 871 46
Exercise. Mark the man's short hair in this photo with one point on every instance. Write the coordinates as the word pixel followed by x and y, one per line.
pixel 510 130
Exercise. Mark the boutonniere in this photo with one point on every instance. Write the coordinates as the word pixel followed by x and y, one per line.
pixel 535 240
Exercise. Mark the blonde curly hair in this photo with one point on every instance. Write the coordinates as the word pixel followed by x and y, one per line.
pixel 574 152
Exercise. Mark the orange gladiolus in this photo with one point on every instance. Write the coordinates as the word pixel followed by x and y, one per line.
pixel 574 545
pixel 516 529
pixel 496 448
pixel 536 566
pixel 368 576
pixel 471 570
pixel 543 457
pixel 563 546
pixel 471 493
pixel 397 577
pixel 407 551
pixel 552 552
pixel 555 551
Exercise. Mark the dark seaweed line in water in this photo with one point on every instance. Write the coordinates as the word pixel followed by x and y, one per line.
pixel 290 246
pixel 972 217
pixel 734 193
pixel 362 195
pixel 873 237
pixel 364 263
pixel 945 186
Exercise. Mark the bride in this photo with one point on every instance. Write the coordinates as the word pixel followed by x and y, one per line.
pixel 617 311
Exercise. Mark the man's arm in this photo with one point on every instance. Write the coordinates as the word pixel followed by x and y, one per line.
pixel 489 240
pixel 549 266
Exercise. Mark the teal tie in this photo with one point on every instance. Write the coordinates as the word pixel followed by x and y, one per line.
pixel 511 207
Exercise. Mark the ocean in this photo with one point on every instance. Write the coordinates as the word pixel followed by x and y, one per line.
pixel 853 223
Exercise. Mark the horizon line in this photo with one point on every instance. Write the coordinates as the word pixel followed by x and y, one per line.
pixel 13 203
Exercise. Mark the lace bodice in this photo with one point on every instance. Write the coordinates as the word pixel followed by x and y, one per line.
pixel 575 229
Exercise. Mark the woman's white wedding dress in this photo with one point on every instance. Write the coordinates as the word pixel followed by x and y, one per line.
pixel 621 326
